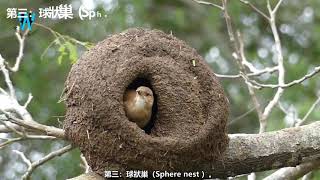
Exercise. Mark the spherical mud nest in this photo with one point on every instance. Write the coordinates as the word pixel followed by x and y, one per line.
pixel 188 124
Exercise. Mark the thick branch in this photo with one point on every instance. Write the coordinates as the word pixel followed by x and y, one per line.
pixel 259 152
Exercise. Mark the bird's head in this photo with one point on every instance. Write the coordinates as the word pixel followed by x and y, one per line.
pixel 146 94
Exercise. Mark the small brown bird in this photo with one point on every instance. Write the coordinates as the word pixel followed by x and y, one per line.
pixel 138 105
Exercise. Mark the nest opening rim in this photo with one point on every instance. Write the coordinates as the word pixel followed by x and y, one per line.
pixel 142 80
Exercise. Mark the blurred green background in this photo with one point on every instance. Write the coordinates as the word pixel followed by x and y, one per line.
pixel 47 61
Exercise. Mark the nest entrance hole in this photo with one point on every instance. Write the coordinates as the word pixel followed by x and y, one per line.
pixel 141 81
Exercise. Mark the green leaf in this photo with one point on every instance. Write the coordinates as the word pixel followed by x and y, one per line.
pixel 62 50
pixel 73 54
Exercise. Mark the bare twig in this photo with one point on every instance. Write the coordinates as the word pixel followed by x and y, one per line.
pixel 6 129
pixel 21 40
pixel 257 73
pixel 23 157
pixel 252 176
pixel 7 79
pixel 307 176
pixel 241 116
pixel 2 90
pixel 209 3
pixel 294 172
pixel 281 70
pixel 10 141
pixel 47 130
pixel 26 137
pixel 314 105
pixel 85 163
pixel 231 35
pixel 252 69
pixel 10 128
pixel 286 85
pixel 277 7
pixel 239 55
pixel 28 101
pixel 34 165
pixel 255 9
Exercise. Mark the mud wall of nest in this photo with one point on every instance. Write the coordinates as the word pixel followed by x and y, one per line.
pixel 188 125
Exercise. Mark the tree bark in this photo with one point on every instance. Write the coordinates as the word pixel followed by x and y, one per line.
pixel 248 153
pixel 272 150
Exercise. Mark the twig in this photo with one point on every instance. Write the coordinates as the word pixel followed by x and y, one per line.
pixel 244 61
pixel 4 129
pixel 12 129
pixel 21 40
pixel 34 165
pixel 286 85
pixel 56 34
pixel 257 73
pixel 277 6
pixel 231 34
pixel 10 141
pixel 314 105
pixel 49 46
pixel 252 93
pixel 28 101
pixel 281 69
pixel 240 57
pixel 23 157
pixel 294 172
pixel 17 107
pixel 209 3
pixel 252 176
pixel 48 130
pixel 241 116
pixel 64 96
pixel 23 138
pixel 85 163
pixel 7 79
pixel 2 90
pixel 255 9
pixel 249 65
pixel 307 176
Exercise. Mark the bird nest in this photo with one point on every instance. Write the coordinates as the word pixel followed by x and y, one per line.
pixel 188 123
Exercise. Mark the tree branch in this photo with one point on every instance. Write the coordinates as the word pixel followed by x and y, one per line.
pixel 34 165
pixel 314 105
pixel 315 71
pixel 248 153
pixel 7 79
pixel 21 39
pixel 37 127
pixel 259 152
pixel 294 172
pixel 209 3
pixel 255 9
pixel 257 73
pixel 281 69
